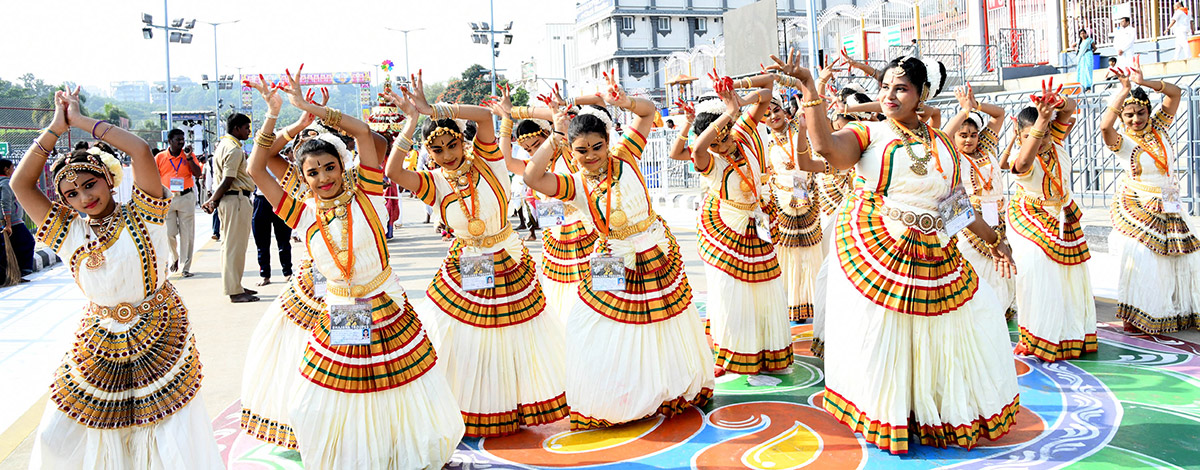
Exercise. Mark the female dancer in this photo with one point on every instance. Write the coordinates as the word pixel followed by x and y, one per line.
pixel 920 350
pixel 1054 292
pixel 505 358
pixel 799 239
pixel 127 394
pixel 640 350
pixel 1159 288
pixel 566 247
pixel 377 399
pixel 982 180
pixel 747 301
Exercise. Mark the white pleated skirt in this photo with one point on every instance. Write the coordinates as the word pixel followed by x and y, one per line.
pixel 748 322
pixel 1056 309
pixel 1157 294
pixel 799 266
pixel 560 297
pixel 985 267
pixel 952 373
pixel 183 440
pixel 271 376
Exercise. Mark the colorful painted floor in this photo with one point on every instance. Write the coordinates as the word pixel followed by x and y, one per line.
pixel 1135 404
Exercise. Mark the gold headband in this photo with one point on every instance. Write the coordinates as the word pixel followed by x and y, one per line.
pixel 538 133
pixel 440 131
pixel 1131 100
pixel 69 172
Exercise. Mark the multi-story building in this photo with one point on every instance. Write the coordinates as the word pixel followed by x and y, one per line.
pixel 635 37
pixel 556 59
pixel 137 92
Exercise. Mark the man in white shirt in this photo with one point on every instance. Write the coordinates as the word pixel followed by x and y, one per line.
pixel 1123 38
pixel 199 143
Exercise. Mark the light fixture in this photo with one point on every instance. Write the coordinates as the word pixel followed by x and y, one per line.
pixel 147 33
pixel 177 23
pixel 486 27
pixel 175 36
pixel 185 38
pixel 507 39
pixel 146 18
pixel 474 26
pixel 509 26
pixel 191 24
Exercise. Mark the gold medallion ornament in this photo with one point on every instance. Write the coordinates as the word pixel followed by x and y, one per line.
pixel 789 165
pixel 95 259
pixel 102 228
pixel 618 219
pixel 475 227
pixel 464 180
pixel 343 257
pixel 745 186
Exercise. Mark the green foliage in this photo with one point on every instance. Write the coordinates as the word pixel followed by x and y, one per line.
pixel 520 97
pixel 474 87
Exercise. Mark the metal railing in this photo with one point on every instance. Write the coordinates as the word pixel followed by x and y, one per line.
pixel 980 64
pixel 661 172
pixel 1022 46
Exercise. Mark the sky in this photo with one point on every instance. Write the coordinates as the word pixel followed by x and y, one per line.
pixel 95 42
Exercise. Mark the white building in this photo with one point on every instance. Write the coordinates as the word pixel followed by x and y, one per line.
pixel 636 36
pixel 556 56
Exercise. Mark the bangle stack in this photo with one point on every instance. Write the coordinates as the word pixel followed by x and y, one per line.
pixel 445 111
pixel 287 137
pixel 333 117
pixel 264 140
pixel 993 245
pixel 1037 133
pixel 520 112
pixel 43 149
pixel 787 80
pixel 272 116
pixel 571 103
pixel 403 143
pixel 506 127
pixel 812 103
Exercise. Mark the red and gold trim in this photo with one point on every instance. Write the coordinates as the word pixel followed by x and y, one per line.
pixel 489 151
pixel 890 437
pixel 912 273
pixel 656 290
pixel 426 189
pixel 861 132
pixel 632 144
pixel 289 209
pixel 740 363
pixel 978 244
pixel 817 347
pixel 565 255
pixel 300 302
pixel 133 378
pixel 739 253
pixel 508 422
pixel 1031 220
pixel 800 312
pixel 1157 326
pixel 1049 351
pixel 1143 219
pixel 271 432
pixel 668 409
pixel 799 230
pixel 967 435
pixel 398 354
pixel 370 180
pixel 516 298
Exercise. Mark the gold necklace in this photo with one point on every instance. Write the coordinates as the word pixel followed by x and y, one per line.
pixel 103 229
pixel 338 206
pixel 922 135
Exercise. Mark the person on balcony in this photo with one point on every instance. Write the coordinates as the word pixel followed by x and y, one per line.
pixel 1123 37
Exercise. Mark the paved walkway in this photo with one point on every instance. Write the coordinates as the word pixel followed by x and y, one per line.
pixel 37 320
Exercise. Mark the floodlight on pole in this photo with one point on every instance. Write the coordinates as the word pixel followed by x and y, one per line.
pixel 191 24
pixel 177 23
pixel 146 18
pixel 185 38
pixel 175 36
pixel 221 79
pixel 509 26
pixel 148 33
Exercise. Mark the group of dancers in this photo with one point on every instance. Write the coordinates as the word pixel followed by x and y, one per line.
pixel 886 232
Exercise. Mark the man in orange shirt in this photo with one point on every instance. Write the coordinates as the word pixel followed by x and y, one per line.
pixel 178 170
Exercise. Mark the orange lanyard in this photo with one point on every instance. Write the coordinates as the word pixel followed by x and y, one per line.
pixel 1056 185
pixel 742 175
pixel 791 147
pixel 931 147
pixel 1162 151
pixel 987 182
pixel 608 185
pixel 347 268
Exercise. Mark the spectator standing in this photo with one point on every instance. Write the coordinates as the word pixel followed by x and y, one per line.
pixel 263 225
pixel 1084 65
pixel 178 168
pixel 1181 28
pixel 1123 39
pixel 12 221
pixel 198 141
pixel 231 201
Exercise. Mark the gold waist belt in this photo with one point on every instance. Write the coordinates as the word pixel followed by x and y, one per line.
pixel 634 229
pixel 488 241
pixel 924 222
pixel 353 292
pixel 124 311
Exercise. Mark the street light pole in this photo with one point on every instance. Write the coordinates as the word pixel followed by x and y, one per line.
pixel 167 43
pixel 491 42
pixel 407 71
pixel 217 77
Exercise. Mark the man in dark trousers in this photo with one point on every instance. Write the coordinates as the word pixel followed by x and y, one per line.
pixel 262 225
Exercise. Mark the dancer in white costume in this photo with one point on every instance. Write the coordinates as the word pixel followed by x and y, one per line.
pixel 1057 313
pixel 504 353
pixel 747 300
pixel 919 350
pixel 640 350
pixel 379 400
pixel 127 393
pixel 982 178
pixel 1159 287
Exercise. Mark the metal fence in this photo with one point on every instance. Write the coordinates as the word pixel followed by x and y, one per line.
pixel 1023 46
pixel 662 173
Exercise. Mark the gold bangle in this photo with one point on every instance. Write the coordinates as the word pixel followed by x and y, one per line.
pixel 333 117
pixel 1161 86
pixel 1037 133
pixel 264 139
pixel 787 80
pixel 993 245
pixel 520 112
pixel 403 143
pixel 1114 110
pixel 812 103
pixel 506 127
pixel 271 116
pixel 286 136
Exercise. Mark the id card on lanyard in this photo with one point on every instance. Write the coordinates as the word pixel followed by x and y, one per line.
pixel 478 272
pixel 608 273
pixel 350 323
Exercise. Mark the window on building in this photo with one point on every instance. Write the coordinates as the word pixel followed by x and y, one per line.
pixel 701 25
pixel 664 24
pixel 626 23
pixel 637 67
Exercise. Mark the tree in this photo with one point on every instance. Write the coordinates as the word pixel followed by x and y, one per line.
pixel 474 87
pixel 113 114
pixel 520 97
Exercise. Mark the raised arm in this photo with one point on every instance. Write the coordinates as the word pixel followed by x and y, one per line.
pixel 643 109
pixel 1040 131
pixel 25 177
pixel 679 146
pixel 145 170
pixel 1108 119
pixel 1012 140
pixel 275 162
pixel 867 69
pixel 264 144
pixel 760 97
pixel 839 148
pixel 366 141
pixel 702 157
pixel 501 106
pixel 537 175
pixel 1170 92
pixel 396 171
